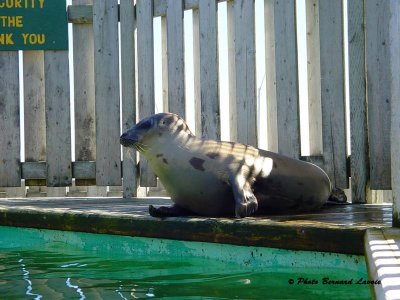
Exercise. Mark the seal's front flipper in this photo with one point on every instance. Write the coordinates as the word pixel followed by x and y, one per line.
pixel 337 197
pixel 168 211
pixel 245 202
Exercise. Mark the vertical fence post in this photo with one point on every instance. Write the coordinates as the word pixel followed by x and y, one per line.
pixel 106 61
pixel 358 104
pixel 176 57
pixel 205 58
pixel 270 75
pixel 332 90
pixel 395 90
pixel 84 93
pixel 34 111
pixel 314 77
pixel 243 106
pixel 10 172
pixel 58 123
pixel 145 48
pixel 127 21
pixel 287 90
pixel 378 91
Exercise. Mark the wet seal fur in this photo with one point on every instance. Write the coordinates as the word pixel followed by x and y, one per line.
pixel 214 178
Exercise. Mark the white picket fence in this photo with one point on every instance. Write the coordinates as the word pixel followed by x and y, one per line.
pixel 103 99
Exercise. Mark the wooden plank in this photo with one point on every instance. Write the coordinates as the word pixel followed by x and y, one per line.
pixel 205 49
pixel 106 61
pixel 332 91
pixel 176 58
pixel 358 105
pixel 196 72
pixel 34 109
pixel 10 172
pixel 286 78
pixel 270 76
pixel 231 70
pixel 395 106
pixel 84 91
pixel 244 107
pixel 164 61
pixel 80 12
pixel 313 77
pixel 378 91
pixel 128 92
pixel 145 48
pixel 80 170
pixel 58 124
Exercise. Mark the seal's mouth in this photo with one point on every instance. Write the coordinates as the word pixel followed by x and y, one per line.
pixel 126 140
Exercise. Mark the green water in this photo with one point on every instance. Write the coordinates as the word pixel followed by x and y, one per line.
pixel 55 265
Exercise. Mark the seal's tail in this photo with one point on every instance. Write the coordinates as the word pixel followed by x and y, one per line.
pixel 337 197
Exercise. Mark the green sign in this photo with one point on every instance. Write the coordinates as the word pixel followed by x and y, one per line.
pixel 33 25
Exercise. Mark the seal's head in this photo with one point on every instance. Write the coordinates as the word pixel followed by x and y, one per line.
pixel 156 128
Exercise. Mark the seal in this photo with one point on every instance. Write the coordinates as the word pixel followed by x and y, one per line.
pixel 216 178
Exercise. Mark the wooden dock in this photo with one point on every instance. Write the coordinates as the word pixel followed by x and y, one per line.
pixel 339 229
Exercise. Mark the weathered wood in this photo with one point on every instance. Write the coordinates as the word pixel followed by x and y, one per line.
pixel 332 91
pixel 128 92
pixel 231 69
pixel 80 12
pixel 58 123
pixel 358 104
pixel 106 61
pixel 164 61
pixel 176 57
pixel 286 65
pixel 313 77
pixel 342 228
pixel 395 106
pixel 205 58
pixel 145 48
pixel 378 91
pixel 84 91
pixel 10 173
pixel 270 75
pixel 244 105
pixel 34 109
pixel 84 170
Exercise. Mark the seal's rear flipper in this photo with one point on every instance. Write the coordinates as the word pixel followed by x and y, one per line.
pixel 168 211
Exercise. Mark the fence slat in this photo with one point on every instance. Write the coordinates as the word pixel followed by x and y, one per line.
pixel 84 94
pixel 10 172
pixel 332 91
pixel 127 16
pixel 231 69
pixel 358 110
pixel 395 89
pixel 313 77
pixel 34 110
pixel 206 70
pixel 378 91
pixel 164 61
pixel 145 48
pixel 286 78
pixel 58 126
pixel 106 61
pixel 244 106
pixel 176 57
pixel 270 75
